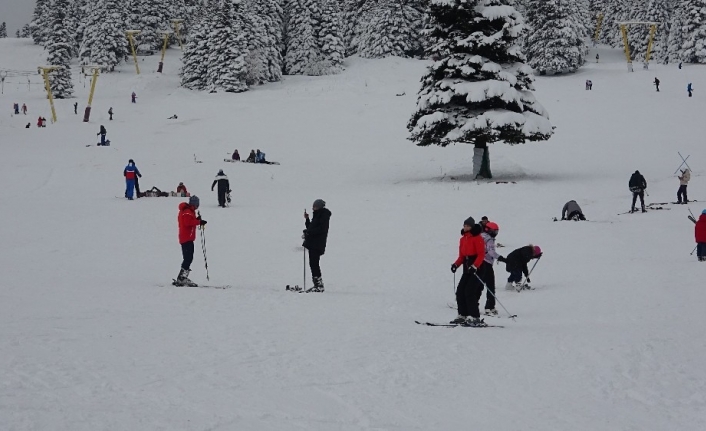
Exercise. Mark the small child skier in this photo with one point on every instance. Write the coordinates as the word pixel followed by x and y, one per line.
pixel 188 222
pixel 471 254
pixel 516 264
pixel 488 273
pixel 700 234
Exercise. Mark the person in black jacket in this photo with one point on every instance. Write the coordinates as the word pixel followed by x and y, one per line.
pixel 637 185
pixel 516 264
pixel 223 187
pixel 315 236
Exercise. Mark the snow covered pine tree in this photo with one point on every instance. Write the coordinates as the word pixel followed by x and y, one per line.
pixel 60 47
pixel 104 40
pixel 394 29
pixel 227 50
pixel 3 30
pixel 478 90
pixel 554 45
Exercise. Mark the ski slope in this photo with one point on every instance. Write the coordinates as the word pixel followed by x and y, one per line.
pixel 93 337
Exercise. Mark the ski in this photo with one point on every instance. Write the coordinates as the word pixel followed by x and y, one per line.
pixel 298 289
pixel 453 325
pixel 205 286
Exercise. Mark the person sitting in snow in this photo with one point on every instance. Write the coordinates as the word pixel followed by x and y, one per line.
pixel 173 117
pixel 181 190
pixel 572 211
pixel 251 157
pixel 259 157
pixel 516 264
pixel 236 156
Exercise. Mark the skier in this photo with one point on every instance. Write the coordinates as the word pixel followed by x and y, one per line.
pixel 587 84
pixel 488 273
pixel 597 58
pixel 16 107
pixel 680 65
pixel 102 132
pixel 516 264
pixel 637 185
pixel 689 89
pixel 315 237
pixel 181 189
pixel 572 211
pixel 236 156
pixel 188 222
pixel 683 182
pixel 39 121
pixel 137 180
pixel 483 222
pixel 471 254
pixel 110 112
pixel 130 173
pixel 700 234
pixel 24 109
pixel 76 108
pixel 223 187
pixel 134 97
pixel 656 83
pixel 251 157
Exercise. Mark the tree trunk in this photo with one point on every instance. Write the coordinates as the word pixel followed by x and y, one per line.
pixel 481 161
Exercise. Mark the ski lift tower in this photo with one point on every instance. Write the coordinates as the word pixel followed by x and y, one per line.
pixel 44 71
pixel 624 31
pixel 131 37
pixel 176 23
pixel 95 70
pixel 165 35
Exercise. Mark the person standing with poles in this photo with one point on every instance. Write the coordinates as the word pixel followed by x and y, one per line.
pixel 110 112
pixel 223 187
pixel 315 237
pixel 130 173
pixel 683 182
pixel 188 222
pixel 102 132
pixel 637 185
pixel 471 254
pixel 487 271
pixel 516 264
pixel 656 83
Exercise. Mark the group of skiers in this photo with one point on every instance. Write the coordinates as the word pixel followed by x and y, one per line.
pixel 16 108
pixel 476 257
pixel 689 87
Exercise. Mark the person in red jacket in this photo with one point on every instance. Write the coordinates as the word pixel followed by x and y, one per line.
pixel 700 233
pixel 471 253
pixel 188 222
pixel 181 190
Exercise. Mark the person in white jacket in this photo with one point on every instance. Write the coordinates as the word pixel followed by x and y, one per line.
pixel 487 272
pixel 683 182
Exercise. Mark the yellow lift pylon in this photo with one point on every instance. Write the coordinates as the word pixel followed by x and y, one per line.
pixel 599 24
pixel 624 31
pixel 95 70
pixel 44 70
pixel 176 23
pixel 165 36
pixel 131 37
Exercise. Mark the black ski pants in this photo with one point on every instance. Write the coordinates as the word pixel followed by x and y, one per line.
pixel 187 251
pixel 221 198
pixel 468 294
pixel 314 258
pixel 489 279
pixel 579 215
pixel 642 198
pixel 681 194
pixel 137 186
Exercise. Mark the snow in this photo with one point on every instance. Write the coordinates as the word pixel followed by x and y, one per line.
pixel 94 338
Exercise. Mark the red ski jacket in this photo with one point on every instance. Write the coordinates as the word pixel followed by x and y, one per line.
pixel 471 245
pixel 700 229
pixel 187 223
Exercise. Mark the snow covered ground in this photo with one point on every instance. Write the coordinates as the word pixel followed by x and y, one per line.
pixel 92 337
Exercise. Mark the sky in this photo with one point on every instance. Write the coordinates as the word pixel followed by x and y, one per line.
pixel 15 13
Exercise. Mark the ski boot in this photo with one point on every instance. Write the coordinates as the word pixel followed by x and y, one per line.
pixel 183 279
pixel 474 322
pixel 644 210
pixel 491 312
pixel 458 320
pixel 318 285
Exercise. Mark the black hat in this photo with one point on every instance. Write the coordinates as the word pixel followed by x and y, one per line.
pixel 470 221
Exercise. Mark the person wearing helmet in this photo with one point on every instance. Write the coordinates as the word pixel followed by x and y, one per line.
pixel 315 237
pixel 516 264
pixel 700 233
pixel 188 222
pixel 572 211
pixel 223 187
pixel 471 253
pixel 488 273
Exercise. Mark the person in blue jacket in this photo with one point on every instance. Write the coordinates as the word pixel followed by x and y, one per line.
pixel 131 173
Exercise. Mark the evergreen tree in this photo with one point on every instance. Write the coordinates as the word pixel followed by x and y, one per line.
pixel 554 45
pixel 479 90
pixel 656 11
pixel 272 17
pixel 693 26
pixel 257 38
pixel 3 30
pixel 39 26
pixel 330 39
pixel 150 17
pixel 104 40
pixel 60 51
pixel 677 32
pixel 194 66
pixel 75 18
pixel 302 48
pixel 394 29
pixel 227 50
pixel 26 32
pixel 17 33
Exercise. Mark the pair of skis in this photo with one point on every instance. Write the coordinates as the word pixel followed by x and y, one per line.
pixel 453 325
pixel 297 289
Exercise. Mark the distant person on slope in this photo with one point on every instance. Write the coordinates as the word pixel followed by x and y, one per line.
pixel 572 211
pixel 39 121
pixel 683 182
pixel 76 108
pixel 130 173
pixel 188 222
pixel 700 233
pixel 656 82
pixel 471 254
pixel 181 189
pixel 223 187
pixel 315 238
pixel 110 112
pixel 102 132
pixel 637 185
pixel 689 89
pixel 134 97
pixel 491 230
pixel 236 156
pixel 251 157
pixel 516 264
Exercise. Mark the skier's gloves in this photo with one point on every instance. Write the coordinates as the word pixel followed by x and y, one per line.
pixel 472 269
pixel 501 259
pixel 454 267
pixel 528 280
pixel 203 222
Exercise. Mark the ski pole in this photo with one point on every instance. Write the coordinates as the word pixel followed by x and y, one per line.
pixel 692 251
pixel 511 316
pixel 203 245
pixel 454 283
pixel 304 269
pixel 530 273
